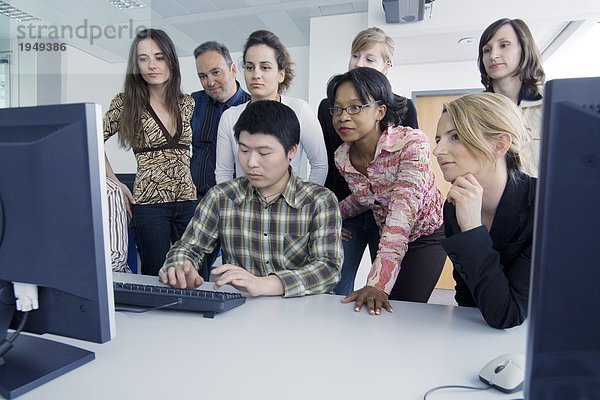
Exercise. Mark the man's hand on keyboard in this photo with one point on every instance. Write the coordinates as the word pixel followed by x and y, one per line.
pixel 244 281
pixel 182 276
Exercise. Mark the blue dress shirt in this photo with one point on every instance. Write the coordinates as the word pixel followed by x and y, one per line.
pixel 205 122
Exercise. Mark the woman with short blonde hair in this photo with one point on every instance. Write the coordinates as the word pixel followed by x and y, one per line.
pixel 371 37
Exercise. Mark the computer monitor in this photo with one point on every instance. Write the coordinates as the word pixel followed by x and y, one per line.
pixel 52 234
pixel 563 343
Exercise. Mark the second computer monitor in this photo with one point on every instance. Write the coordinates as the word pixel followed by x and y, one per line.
pixel 563 346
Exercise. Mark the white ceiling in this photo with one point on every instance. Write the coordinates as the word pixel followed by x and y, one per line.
pixel 436 38
pixel 191 22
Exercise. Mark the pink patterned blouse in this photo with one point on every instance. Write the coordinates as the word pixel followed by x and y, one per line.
pixel 400 189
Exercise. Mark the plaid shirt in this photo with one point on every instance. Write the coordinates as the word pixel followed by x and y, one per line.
pixel 296 237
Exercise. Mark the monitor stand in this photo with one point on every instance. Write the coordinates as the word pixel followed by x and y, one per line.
pixel 34 361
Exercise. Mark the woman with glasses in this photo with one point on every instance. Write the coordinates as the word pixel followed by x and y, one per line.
pixel 268 73
pixel 374 49
pixel 388 170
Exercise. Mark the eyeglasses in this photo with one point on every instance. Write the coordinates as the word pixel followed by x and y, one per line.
pixel 350 110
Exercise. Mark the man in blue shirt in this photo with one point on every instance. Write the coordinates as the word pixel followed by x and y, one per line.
pixel 216 72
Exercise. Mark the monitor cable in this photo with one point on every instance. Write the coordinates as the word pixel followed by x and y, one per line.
pixel 135 311
pixel 7 344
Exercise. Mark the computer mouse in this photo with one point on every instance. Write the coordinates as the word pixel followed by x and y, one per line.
pixel 505 373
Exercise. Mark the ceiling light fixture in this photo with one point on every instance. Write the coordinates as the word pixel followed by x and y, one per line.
pixel 15 13
pixel 127 4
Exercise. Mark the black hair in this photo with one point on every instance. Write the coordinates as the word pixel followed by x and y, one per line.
pixel 372 85
pixel 270 117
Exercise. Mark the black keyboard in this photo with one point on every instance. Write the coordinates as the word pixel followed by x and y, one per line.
pixel 204 301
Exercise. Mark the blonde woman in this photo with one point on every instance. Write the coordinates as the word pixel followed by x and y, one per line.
pixel 488 215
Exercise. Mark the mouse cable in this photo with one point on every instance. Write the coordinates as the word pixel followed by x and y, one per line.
pixel 435 389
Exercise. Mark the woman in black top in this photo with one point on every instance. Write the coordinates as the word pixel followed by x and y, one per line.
pixel 488 215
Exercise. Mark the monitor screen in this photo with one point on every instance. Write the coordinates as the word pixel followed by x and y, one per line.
pixel 563 344
pixel 52 234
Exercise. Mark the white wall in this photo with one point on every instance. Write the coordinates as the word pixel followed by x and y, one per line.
pixel 330 50
pixel 579 57
pixel 23 79
pixel 407 79
pixel 89 79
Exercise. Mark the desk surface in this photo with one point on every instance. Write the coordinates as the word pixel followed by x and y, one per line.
pixel 302 348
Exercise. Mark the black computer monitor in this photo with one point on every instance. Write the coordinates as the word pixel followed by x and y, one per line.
pixel 563 343
pixel 52 234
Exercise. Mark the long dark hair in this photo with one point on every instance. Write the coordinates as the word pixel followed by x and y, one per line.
pixel 372 85
pixel 530 69
pixel 136 92
pixel 282 56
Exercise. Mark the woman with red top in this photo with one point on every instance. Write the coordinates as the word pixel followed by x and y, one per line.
pixel 388 170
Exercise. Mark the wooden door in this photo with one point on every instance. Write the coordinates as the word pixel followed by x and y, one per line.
pixel 429 110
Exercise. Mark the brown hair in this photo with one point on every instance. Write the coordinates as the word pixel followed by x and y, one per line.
pixel 530 69
pixel 284 61
pixel 136 92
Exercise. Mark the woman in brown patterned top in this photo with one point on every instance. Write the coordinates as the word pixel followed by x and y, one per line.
pixel 152 117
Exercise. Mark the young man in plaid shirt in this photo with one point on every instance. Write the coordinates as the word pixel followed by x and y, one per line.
pixel 279 234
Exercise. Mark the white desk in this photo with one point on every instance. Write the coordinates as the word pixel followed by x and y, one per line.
pixel 287 349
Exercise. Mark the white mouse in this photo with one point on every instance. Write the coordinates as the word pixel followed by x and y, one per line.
pixel 505 373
